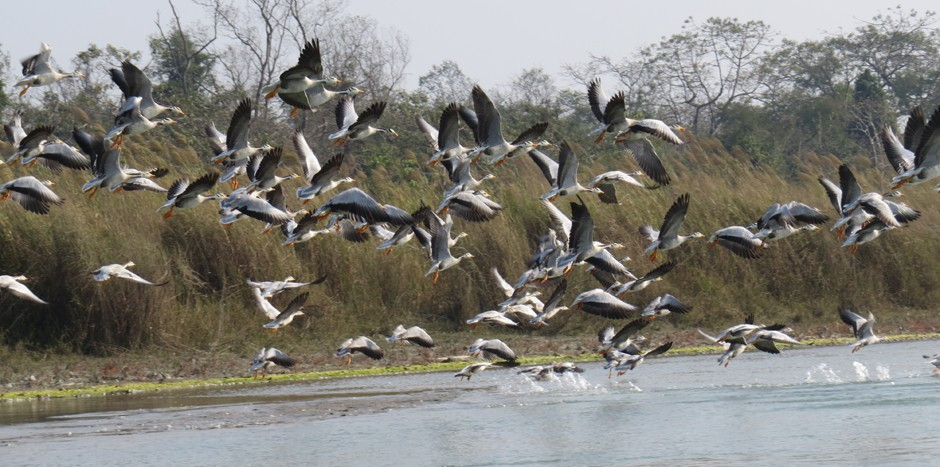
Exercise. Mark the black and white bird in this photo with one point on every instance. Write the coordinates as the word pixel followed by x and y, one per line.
pixel 293 310
pixel 861 328
pixel 361 344
pixel 668 237
pixel 414 335
pixel 268 358
pixel 352 126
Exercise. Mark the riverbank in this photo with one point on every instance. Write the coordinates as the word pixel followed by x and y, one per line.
pixel 75 376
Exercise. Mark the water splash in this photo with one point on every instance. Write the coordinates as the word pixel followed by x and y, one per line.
pixel 822 373
pixel 862 374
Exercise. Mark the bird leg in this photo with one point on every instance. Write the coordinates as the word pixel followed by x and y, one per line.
pixel 388 251
pixel 6 194
pixel 118 141
pixel 436 274
pixel 273 93
pixel 294 111
pixel 600 137
pixel 24 90
pixel 94 190
pixel 853 249
pixel 234 183
pixel 654 255
pixel 168 214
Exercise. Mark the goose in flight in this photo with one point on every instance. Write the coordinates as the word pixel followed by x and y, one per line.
pixel 269 289
pixel 731 349
pixel 441 256
pixel 14 130
pixel 133 82
pixel 668 236
pixel 131 121
pixel 360 204
pixel 470 205
pixel 31 145
pixel 492 316
pixel 262 171
pixel 600 303
pixel 935 361
pixel 237 147
pixel 32 194
pixel 583 248
pixel 650 164
pixel 490 141
pixel 664 305
pixel 566 184
pixel 738 240
pixel 784 219
pixel 612 117
pixel 414 335
pixel 445 139
pixel 293 310
pixel 901 155
pixel 121 271
pixel 926 163
pixel 361 344
pixel 269 358
pixel 185 195
pixel 354 127
pixel 491 349
pixel 636 285
pixel 306 74
pixel 13 285
pixel 319 179
pixel 861 328
pixel 38 72
pixel 472 369
pixel 623 339
pixel 634 361
pixel 552 306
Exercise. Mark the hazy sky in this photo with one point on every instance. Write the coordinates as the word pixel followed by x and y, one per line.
pixel 491 40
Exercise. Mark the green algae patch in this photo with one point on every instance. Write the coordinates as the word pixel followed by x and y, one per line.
pixel 135 388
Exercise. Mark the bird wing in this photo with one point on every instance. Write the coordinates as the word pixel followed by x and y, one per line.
pixel 504 286
pixel 418 336
pixel 605 278
pixel 296 304
pixel 237 133
pixel 628 331
pixel 308 64
pixel 23 292
pixel 645 156
pixel 849 186
pixel 648 232
pixel 264 305
pixel 927 153
pixel 852 319
pixel 557 295
pixel 597 98
pixel 600 303
pixel 345 113
pixel 129 275
pixel 469 117
pixel 659 350
pixel 369 116
pixel 899 158
pixel 201 185
pixel 36 136
pixel 531 134
pixel 560 222
pixel 429 131
pixel 657 128
pixel 582 229
pixel 308 160
pixel 66 155
pixel 278 358
pixel 659 271
pixel 607 262
pixel 567 167
pixel 674 217
pixel 548 167
pixel 739 241
pixel 488 116
pixel 615 110
pixel 673 304
pixel 367 347
pixel 766 345
pixel 833 192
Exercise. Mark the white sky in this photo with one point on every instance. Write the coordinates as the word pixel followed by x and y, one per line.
pixel 491 40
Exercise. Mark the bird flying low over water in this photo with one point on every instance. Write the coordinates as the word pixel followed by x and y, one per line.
pixel 413 335
pixel 361 344
pixel 293 310
pixel 269 358
pixel 472 369
pixel 861 327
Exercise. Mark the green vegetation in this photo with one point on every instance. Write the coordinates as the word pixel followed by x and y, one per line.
pixel 811 110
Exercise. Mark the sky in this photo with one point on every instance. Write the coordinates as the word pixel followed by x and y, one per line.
pixel 491 40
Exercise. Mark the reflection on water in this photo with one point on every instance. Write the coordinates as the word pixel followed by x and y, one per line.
pixel 803 406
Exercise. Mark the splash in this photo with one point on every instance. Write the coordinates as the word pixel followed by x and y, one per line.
pixel 862 373
pixel 822 373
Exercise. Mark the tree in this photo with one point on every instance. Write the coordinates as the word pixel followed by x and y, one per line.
pixel 181 57
pixel 445 83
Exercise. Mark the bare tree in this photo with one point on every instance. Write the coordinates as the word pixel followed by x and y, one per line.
pixel 184 51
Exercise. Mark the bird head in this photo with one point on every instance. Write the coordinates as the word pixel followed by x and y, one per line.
pixel 129 264
pixel 178 111
pixel 697 235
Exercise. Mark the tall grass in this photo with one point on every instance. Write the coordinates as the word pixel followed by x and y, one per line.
pixel 207 305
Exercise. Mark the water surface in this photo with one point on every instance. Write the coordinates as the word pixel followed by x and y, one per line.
pixel 805 406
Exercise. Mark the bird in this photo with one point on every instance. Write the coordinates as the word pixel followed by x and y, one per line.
pixel 738 240
pixel 14 130
pixel 731 349
pixel 262 171
pixel 664 305
pixel 13 284
pixel 470 205
pixel 413 335
pixel 624 340
pixel 441 257
pixel 552 306
pixel 131 121
pixel 237 147
pixel 600 303
pixel 306 74
pixel 445 139
pixel 765 340
pixel 38 72
pixel 32 194
pixel 133 82
pixel 32 144
pixel 354 127
pixel 566 184
pixel 637 360
pixel 641 283
pixel 361 344
pixel 491 349
pixel 490 141
pixel 268 358
pixel 109 172
pixel 545 373
pixel 319 179
pixel 926 163
pixel 293 310
pixel 492 316
pixel 269 289
pixel 613 119
pixel 668 236
pixel 783 219
pixel 861 327
pixel 472 369
pixel 650 164
pixel 185 195
pixel 583 248
pixel 359 203
pixel 121 271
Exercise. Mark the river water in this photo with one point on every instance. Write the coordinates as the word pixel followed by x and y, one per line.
pixel 805 406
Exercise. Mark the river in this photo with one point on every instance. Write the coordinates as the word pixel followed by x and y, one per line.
pixel 814 405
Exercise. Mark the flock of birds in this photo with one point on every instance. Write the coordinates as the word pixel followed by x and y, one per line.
pixel 355 215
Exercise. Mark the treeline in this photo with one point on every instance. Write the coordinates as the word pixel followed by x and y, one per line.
pixel 765 118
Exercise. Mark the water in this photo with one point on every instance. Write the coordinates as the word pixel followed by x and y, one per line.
pixel 807 406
